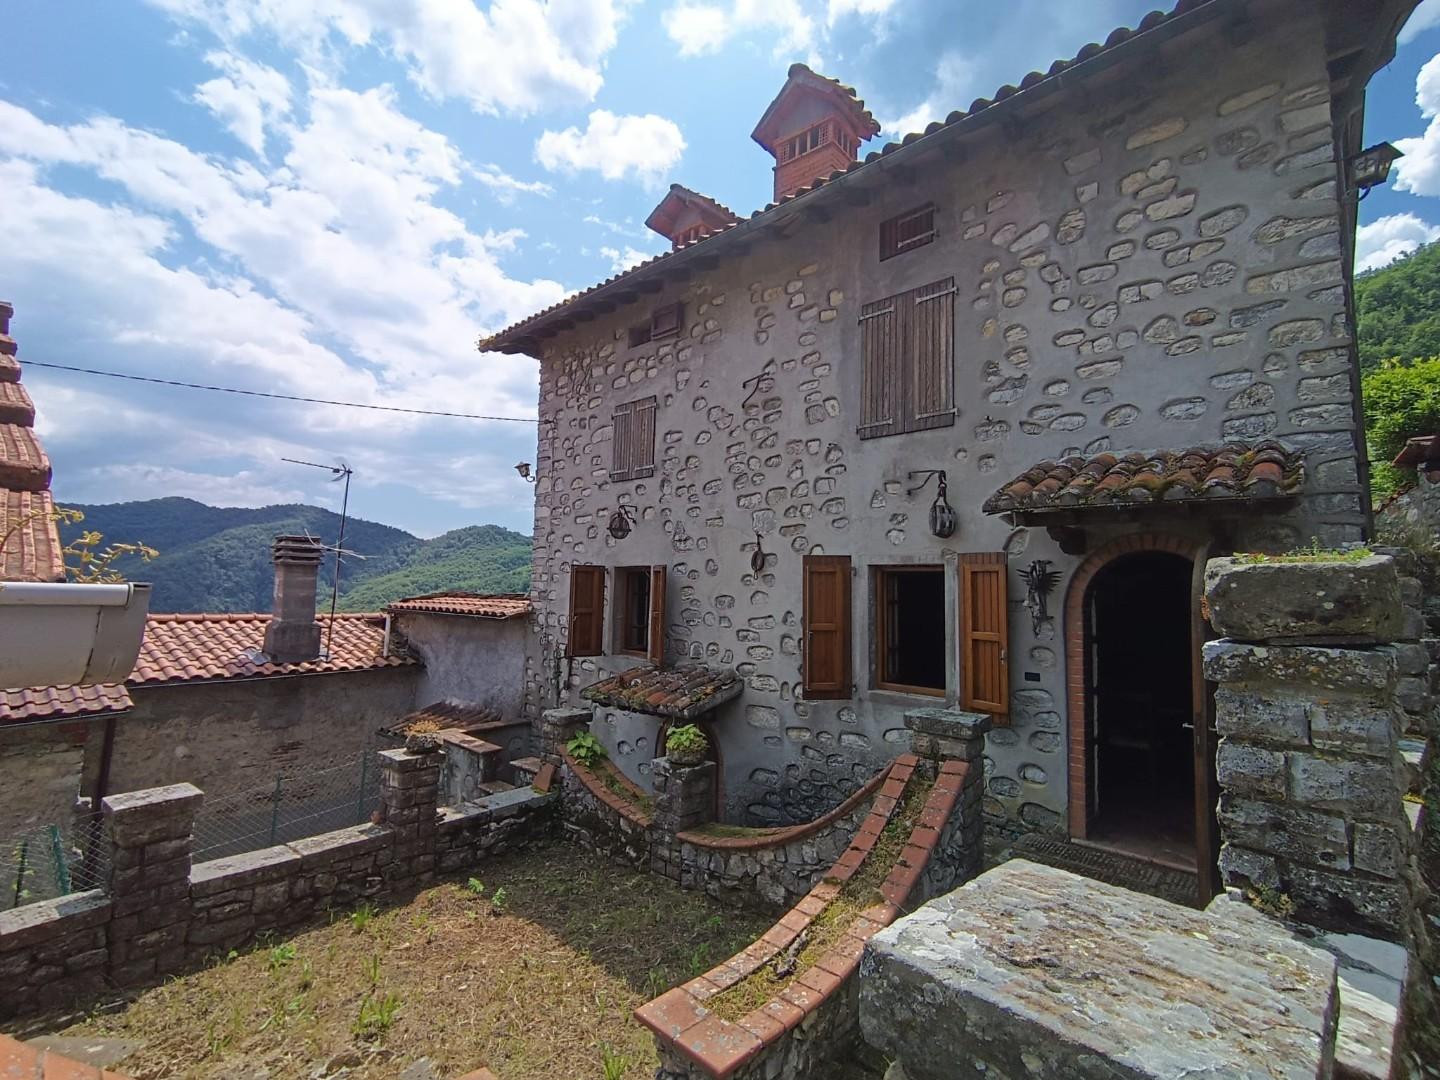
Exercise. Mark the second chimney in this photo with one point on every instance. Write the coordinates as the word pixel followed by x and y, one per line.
pixel 293 635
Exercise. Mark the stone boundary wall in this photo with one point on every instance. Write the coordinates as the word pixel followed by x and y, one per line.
pixel 814 1021
pixel 1309 762
pixel 158 914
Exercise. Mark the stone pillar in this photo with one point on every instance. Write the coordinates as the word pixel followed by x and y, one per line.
pixel 947 733
pixel 684 794
pixel 148 834
pixel 557 727
pixel 1309 766
pixel 409 792
pixel 951 740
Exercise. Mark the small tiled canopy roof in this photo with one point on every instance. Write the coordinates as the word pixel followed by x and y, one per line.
pixel 449 715
pixel 40 704
pixel 675 693
pixel 188 648
pixel 1264 470
pixel 1422 451
pixel 475 605
pixel 31 549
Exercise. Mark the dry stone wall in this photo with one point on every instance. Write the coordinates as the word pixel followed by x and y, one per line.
pixel 1160 265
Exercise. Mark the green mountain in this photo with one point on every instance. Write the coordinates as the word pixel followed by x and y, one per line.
pixel 218 558
pixel 1398 309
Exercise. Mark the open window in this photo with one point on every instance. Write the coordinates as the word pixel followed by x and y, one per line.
pixel 639 616
pixel 985 634
pixel 910 629
pixel 587 611
pixel 827 627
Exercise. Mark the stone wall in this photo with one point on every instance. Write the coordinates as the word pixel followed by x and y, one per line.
pixel 469 660
pixel 159 915
pixel 40 770
pixel 1309 762
pixel 1156 263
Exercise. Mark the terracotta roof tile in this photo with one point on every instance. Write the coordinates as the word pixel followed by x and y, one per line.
pixel 36 704
pixel 1417 452
pixel 185 648
pixel 31 552
pixel 15 405
pixel 476 605
pixel 681 693
pixel 1264 470
pixel 513 337
pixel 449 715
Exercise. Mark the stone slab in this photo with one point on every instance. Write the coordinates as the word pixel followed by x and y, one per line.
pixel 1277 601
pixel 949 723
pixel 44 919
pixel 240 871
pixel 1305 670
pixel 96 1052
pixel 1036 972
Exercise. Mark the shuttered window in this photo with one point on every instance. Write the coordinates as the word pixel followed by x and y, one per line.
pixel 827 626
pixel 587 611
pixel 633 444
pixel 984 634
pixel 907 345
pixel 656 648
pixel 904 232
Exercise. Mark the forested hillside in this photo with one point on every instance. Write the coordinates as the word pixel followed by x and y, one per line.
pixel 1398 308
pixel 218 558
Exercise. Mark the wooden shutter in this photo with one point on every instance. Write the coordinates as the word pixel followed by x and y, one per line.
pixel 881 348
pixel 587 611
pixel 621 453
pixel 632 450
pixel 665 322
pixel 827 626
pixel 932 357
pixel 656 642
pixel 643 462
pixel 984 634
pixel 912 229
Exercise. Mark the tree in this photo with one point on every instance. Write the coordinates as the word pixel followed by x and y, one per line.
pixel 84 559
pixel 1397 309
pixel 1402 402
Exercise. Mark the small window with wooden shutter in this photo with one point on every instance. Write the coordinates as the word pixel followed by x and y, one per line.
pixel 985 634
pixel 633 440
pixel 826 659
pixel 907 231
pixel 587 611
pixel 907 348
pixel 909 634
pixel 655 647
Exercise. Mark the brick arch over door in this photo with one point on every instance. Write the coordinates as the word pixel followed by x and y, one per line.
pixel 1076 673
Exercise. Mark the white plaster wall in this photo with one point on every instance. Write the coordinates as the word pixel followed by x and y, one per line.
pixel 1154 263
pixel 469 661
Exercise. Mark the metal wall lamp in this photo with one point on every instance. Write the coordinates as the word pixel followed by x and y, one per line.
pixel 943 521
pixel 524 470
pixel 621 521
pixel 1371 168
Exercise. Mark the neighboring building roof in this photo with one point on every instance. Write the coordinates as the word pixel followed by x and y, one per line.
pixel 681 693
pixel 32 551
pixel 474 605
pixel 42 704
pixel 202 648
pixel 449 715
pixel 1153 28
pixel 663 218
pixel 1418 452
pixel 801 77
pixel 1263 470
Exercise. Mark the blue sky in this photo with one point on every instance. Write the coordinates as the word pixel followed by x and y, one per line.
pixel 336 198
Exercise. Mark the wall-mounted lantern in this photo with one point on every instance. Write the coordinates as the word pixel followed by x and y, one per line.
pixel 1371 168
pixel 524 470
pixel 943 521
pixel 758 557
pixel 621 522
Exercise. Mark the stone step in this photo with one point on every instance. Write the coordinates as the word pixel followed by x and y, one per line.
pixel 494 787
pixel 524 770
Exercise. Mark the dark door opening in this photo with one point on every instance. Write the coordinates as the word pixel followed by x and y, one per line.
pixel 1141 697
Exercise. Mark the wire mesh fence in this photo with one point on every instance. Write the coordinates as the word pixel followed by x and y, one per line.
pixel 52 861
pixel 294 805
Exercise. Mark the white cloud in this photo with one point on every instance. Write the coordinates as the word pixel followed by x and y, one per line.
pixel 247 97
pixel 1382 242
pixel 955 77
pixel 647 147
pixel 515 55
pixel 838 9
pixel 623 259
pixel 1419 170
pixel 245 488
pixel 506 187
pixel 699 28
pixel 1425 17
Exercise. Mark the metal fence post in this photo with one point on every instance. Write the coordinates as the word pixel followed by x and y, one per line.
pixel 62 867
pixel 360 797
pixel 275 810
pixel 20 871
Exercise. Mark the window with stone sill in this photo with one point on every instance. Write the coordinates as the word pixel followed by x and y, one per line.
pixel 909 636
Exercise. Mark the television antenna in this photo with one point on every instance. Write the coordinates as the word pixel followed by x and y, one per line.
pixel 338 472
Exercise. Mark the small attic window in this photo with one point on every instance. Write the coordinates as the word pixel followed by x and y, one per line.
pixel 912 229
pixel 664 322
pixel 809 139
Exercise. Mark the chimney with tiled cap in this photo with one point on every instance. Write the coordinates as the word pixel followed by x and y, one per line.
pixel 293 635
pixel 813 128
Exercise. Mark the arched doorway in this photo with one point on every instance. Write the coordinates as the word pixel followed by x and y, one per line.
pixel 1139 681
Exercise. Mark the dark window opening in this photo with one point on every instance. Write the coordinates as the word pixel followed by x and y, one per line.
pixel 910 629
pixel 634 622
pixel 912 229
pixel 639 335
pixel 664 322
pixel 808 140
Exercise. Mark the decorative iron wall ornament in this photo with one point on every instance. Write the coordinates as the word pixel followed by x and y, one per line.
pixel 621 521
pixel 758 557
pixel 1040 582
pixel 943 521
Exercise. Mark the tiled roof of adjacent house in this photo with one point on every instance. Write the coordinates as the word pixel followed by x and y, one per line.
pixel 32 551
pixel 681 693
pixel 189 648
pixel 449 715
pixel 1263 470
pixel 476 605
pixel 35 704
pixel 513 338
pixel 1421 451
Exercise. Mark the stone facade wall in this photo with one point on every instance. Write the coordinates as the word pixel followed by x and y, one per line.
pixel 158 914
pixel 469 661
pixel 1158 264
pixel 40 771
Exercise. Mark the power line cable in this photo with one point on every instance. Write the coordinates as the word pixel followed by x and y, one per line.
pixel 278 397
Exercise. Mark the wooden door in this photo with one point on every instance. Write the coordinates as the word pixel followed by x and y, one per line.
pixel 1207 794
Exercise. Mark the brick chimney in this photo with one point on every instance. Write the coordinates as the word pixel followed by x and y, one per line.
pixel 293 635
pixel 813 128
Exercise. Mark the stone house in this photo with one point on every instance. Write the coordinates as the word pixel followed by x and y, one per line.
pixel 958 424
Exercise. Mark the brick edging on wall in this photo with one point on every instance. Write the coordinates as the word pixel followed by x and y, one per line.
pixel 785 834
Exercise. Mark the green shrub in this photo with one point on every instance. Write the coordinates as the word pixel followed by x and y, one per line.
pixel 586 749
pixel 686 739
pixel 1402 402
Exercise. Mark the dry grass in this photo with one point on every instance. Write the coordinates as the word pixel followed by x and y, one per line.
pixel 540 984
